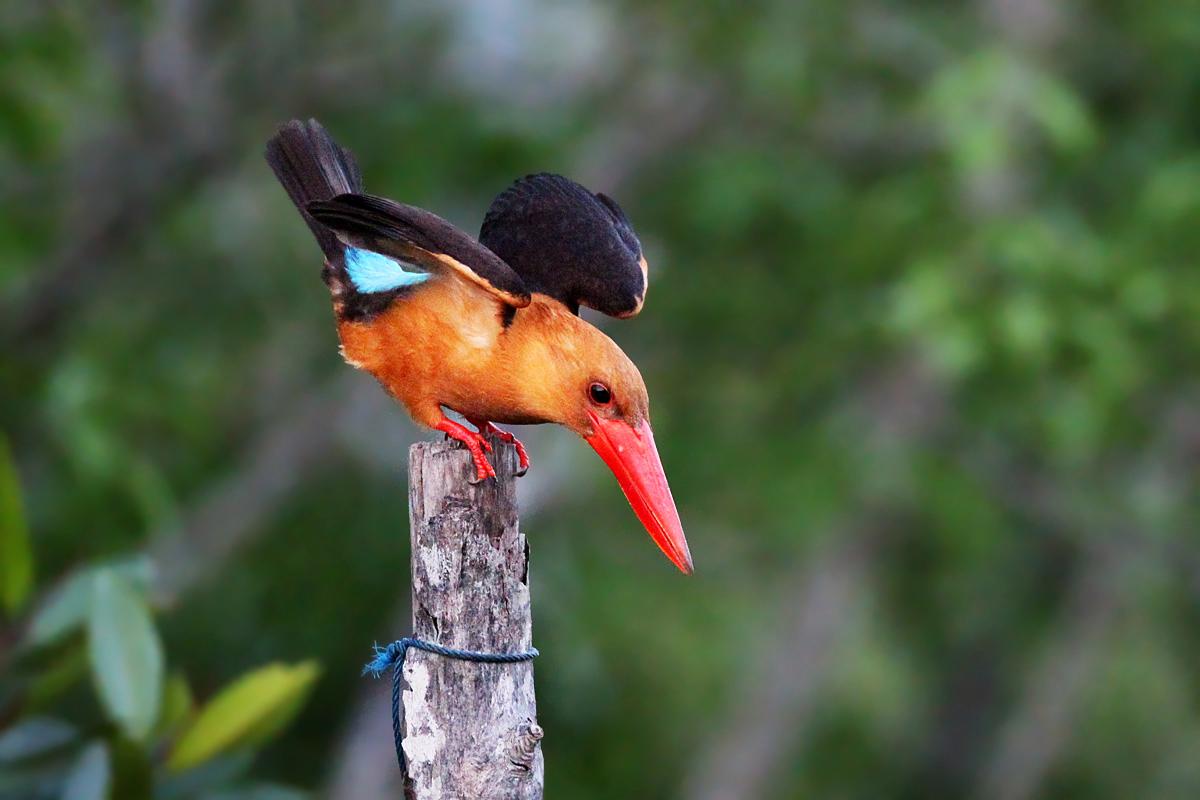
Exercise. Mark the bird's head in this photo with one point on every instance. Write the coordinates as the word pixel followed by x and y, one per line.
pixel 597 392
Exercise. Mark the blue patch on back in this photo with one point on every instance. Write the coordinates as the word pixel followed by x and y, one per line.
pixel 371 272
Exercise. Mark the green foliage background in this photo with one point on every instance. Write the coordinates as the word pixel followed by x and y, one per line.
pixel 921 342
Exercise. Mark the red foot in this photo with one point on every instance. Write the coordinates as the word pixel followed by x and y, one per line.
pixel 505 436
pixel 474 442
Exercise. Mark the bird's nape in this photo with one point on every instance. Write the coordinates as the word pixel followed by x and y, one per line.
pixel 631 455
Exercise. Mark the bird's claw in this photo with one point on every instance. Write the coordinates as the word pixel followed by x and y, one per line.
pixel 505 436
pixel 475 443
pixel 483 468
pixel 482 474
pixel 522 457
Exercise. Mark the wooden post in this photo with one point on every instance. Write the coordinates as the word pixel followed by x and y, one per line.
pixel 470 729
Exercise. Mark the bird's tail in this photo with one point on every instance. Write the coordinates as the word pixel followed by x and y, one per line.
pixel 311 167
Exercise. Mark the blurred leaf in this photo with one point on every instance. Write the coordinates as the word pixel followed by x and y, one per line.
pixel 979 101
pixel 1063 118
pixel 126 655
pixel 90 777
pixel 1172 191
pixel 1026 325
pixel 34 737
pixel 177 703
pixel 210 777
pixel 966 103
pixel 68 606
pixel 62 612
pixel 246 712
pixel 16 556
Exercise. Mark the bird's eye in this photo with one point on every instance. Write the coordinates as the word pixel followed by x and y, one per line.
pixel 600 394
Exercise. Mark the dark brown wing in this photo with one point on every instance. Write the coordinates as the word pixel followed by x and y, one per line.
pixel 568 243
pixel 419 237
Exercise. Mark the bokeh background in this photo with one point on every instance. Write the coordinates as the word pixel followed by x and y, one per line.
pixel 921 342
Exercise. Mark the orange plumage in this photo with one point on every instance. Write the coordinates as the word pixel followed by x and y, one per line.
pixel 491 332
pixel 445 345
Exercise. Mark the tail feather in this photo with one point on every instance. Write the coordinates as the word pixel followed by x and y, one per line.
pixel 311 167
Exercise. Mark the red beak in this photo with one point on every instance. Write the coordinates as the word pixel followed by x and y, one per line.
pixel 631 455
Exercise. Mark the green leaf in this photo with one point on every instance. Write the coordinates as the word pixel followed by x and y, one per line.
pixel 126 655
pixel 67 607
pixel 201 782
pixel 177 704
pixel 63 611
pixel 1061 113
pixel 247 712
pixel 34 738
pixel 89 779
pixel 16 556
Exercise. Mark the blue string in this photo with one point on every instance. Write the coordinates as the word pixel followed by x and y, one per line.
pixel 393 656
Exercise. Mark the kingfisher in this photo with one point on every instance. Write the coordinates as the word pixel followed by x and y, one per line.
pixel 489 328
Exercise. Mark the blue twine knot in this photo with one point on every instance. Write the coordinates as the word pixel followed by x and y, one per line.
pixel 393 656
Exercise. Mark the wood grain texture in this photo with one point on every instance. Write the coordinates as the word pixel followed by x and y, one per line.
pixel 470 729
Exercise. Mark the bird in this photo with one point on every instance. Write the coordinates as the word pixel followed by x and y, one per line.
pixel 489 328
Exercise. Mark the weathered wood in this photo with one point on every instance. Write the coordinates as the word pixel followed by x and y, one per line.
pixel 470 729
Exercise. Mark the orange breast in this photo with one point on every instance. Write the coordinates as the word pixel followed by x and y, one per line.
pixel 436 346
pixel 445 344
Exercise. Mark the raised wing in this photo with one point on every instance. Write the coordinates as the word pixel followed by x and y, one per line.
pixel 566 242
pixel 380 227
